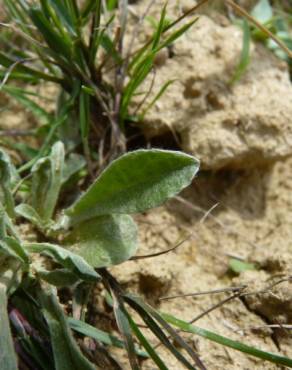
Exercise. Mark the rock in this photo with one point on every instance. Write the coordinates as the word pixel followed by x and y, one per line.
pixel 240 125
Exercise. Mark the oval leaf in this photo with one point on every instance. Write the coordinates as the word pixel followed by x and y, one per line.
pixel 135 182
pixel 105 240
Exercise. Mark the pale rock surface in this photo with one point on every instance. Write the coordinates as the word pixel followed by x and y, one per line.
pixel 240 125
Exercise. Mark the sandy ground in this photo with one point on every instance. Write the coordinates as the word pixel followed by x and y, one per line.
pixel 244 213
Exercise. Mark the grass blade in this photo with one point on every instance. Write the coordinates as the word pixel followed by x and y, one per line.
pixel 264 355
pixel 144 342
pixel 125 330
pixel 245 53
pixel 160 28
pixel 67 354
pixel 100 335
pixel 146 315
pixel 157 97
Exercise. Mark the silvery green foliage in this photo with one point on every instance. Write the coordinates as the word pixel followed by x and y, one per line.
pixel 94 232
pixel 97 228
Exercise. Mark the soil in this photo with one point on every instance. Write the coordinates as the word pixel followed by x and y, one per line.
pixel 242 213
pixel 240 208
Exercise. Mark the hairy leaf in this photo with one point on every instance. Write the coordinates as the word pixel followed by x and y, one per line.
pixel 67 259
pixel 67 354
pixel 136 182
pixel 47 181
pixel 7 354
pixel 105 240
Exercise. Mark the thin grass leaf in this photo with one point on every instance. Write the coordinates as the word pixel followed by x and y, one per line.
pixel 64 16
pixel 148 347
pixel 7 353
pixel 20 96
pixel 158 332
pixel 175 35
pixel 109 47
pixel 245 53
pixel 84 114
pixel 138 303
pixel 100 335
pixel 94 7
pixel 160 28
pixel 157 97
pixel 67 106
pixel 6 61
pixel 67 354
pixel 125 330
pixel 61 44
pixel 252 351
pixel 89 7
pixel 139 75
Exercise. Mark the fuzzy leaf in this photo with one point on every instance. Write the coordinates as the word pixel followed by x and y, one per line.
pixel 11 247
pixel 58 277
pixel 47 181
pixel 67 354
pixel 7 354
pixel 67 259
pixel 104 241
pixel 263 11
pixel 8 176
pixel 134 183
pixel 29 213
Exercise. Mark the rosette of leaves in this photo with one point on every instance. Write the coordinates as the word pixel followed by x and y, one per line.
pixel 79 243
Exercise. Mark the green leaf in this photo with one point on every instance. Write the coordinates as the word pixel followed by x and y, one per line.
pixel 144 342
pixel 7 353
pixel 30 214
pixel 160 28
pixel 150 316
pixel 134 183
pixel 125 330
pixel 58 277
pixel 100 335
pixel 67 259
pixel 10 273
pixel 263 11
pixel 67 354
pixel 252 351
pixel 8 176
pixel 238 266
pixel 11 247
pixel 47 177
pixel 21 96
pixel 104 241
pixel 57 42
pixel 73 165
pixel 84 100
pixel 176 34
pixel 245 53
pixel 161 91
